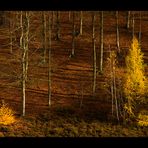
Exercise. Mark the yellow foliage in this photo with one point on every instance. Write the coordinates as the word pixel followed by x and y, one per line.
pixel 6 115
pixel 142 119
pixel 129 109
pixel 135 81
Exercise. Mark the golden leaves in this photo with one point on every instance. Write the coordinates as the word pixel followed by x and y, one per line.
pixel 134 86
pixel 6 115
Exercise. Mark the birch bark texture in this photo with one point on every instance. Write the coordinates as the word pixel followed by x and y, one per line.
pixel 24 41
pixel 94 54
pixel 101 41
pixel 49 60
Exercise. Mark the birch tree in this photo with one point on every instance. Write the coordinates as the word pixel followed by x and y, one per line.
pixel 101 41
pixel 128 19
pixel 24 40
pixel 140 27
pixel 69 16
pixel 94 52
pixel 81 22
pixel 114 85
pixel 117 35
pixel 114 80
pixel 49 60
pixel 22 30
pixel 27 19
pixel 58 26
pixel 133 27
pixel 111 82
pixel 44 36
pixel 73 35
pixel 11 30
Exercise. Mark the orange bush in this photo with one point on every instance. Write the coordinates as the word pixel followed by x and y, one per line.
pixel 6 115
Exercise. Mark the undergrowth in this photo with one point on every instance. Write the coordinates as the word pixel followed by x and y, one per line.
pixel 6 115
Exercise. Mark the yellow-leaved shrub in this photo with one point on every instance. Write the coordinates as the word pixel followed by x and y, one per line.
pixel 6 115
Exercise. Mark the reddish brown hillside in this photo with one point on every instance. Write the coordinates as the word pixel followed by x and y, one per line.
pixel 72 78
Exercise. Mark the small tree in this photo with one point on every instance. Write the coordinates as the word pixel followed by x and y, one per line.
pixel 114 75
pixel 134 86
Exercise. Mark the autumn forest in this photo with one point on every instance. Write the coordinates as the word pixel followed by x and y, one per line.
pixel 73 73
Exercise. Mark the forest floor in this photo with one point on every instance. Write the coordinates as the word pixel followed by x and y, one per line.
pixel 64 123
pixel 74 110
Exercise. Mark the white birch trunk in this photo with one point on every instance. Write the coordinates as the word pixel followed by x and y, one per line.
pixel 101 60
pixel 133 21
pixel 81 22
pixel 140 27
pixel 118 39
pixel 49 62
pixel 128 19
pixel 94 51
pixel 73 36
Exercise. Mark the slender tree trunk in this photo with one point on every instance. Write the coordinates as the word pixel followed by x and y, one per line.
pixel 82 95
pixel 23 85
pixel 21 27
pixel 94 51
pixel 93 25
pixel 11 31
pixel 128 19
pixel 133 23
pixel 111 72
pixel 44 36
pixel 69 15
pixel 122 102
pixel 27 41
pixel 23 63
pixel 112 93
pixel 120 98
pixel 81 22
pixel 101 60
pixel 11 42
pixel 58 26
pixel 24 40
pixel 95 68
pixel 140 27
pixel 115 91
pixel 117 39
pixel 52 19
pixel 23 79
pixel 49 61
pixel 73 36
